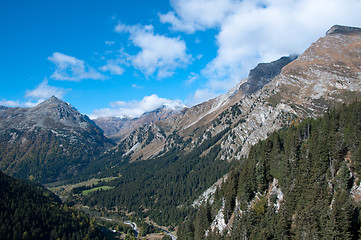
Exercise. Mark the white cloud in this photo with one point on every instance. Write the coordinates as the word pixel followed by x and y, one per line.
pixel 263 31
pixel 113 66
pixel 72 69
pixel 200 96
pixel 254 31
pixel 109 43
pixel 159 55
pixel 44 90
pixel 136 86
pixel 33 104
pixel 9 103
pixel 136 108
pixel 191 78
pixel 193 15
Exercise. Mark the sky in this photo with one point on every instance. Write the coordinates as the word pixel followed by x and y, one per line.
pixel 124 58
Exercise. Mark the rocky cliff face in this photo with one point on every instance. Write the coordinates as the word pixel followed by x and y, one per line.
pixel 326 74
pixel 49 141
pixel 273 95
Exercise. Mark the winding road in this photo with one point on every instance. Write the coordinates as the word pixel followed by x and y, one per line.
pixel 134 226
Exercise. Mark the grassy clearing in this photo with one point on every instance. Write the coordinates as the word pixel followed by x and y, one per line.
pixel 64 189
pixel 86 192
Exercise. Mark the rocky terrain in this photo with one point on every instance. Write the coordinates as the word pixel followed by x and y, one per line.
pixel 326 75
pixel 274 94
pixel 189 127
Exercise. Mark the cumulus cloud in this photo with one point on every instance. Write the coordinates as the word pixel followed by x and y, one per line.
pixel 44 90
pixel 254 31
pixel 136 108
pixel 193 15
pixel 263 31
pixel 159 55
pixel 69 68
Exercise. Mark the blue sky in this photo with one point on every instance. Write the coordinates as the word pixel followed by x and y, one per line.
pixel 115 58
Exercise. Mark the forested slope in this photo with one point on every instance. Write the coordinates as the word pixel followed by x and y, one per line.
pixel 162 188
pixel 302 182
pixel 31 212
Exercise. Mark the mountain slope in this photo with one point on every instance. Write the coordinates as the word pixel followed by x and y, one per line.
pixel 326 74
pixel 188 128
pixel 48 142
pixel 300 183
pixel 274 94
pixel 32 212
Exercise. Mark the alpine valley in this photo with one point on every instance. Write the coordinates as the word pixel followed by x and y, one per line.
pixel 277 157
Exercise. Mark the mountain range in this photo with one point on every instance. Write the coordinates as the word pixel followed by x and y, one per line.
pixel 54 142
pixel 274 94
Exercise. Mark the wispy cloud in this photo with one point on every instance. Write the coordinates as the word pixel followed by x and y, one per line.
pixel 42 92
pixel 136 86
pixel 31 104
pixel 200 96
pixel 9 103
pixel 37 95
pixel 109 43
pixel 159 55
pixel 113 66
pixel 191 78
pixel 69 68
pixel 136 108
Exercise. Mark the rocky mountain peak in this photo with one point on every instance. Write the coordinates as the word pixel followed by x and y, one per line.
pixel 338 29
pixel 53 99
pixel 56 113
pixel 263 73
pixel 54 134
pixel 53 102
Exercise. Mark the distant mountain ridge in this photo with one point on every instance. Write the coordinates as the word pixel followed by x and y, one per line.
pixel 117 128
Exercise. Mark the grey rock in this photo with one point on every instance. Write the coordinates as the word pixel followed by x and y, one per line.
pixel 338 29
